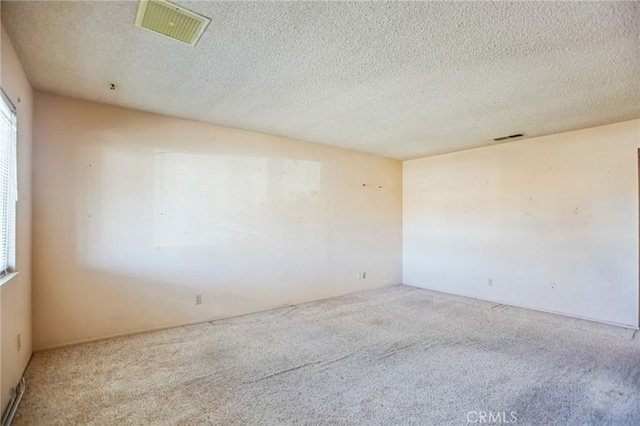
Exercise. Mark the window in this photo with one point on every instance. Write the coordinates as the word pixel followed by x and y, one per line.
pixel 8 188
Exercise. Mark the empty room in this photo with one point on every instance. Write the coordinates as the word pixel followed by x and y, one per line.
pixel 319 213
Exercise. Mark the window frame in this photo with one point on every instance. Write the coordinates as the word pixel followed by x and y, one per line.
pixel 11 198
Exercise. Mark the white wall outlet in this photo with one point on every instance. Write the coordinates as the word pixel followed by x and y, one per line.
pixel 490 282
pixel 359 276
pixel 198 299
pixel 553 286
pixel 19 342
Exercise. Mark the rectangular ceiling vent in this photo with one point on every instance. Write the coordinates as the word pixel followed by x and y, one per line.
pixel 171 20
pixel 504 138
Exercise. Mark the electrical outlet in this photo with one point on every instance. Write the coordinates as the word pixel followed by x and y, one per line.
pixel 359 276
pixel 19 342
pixel 198 299
pixel 364 275
pixel 553 286
pixel 490 282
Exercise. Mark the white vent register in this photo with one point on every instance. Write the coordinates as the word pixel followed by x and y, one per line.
pixel 171 20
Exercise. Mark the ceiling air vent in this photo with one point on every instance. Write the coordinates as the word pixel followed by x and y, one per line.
pixel 504 138
pixel 171 20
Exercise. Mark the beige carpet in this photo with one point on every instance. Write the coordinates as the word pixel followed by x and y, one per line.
pixel 396 356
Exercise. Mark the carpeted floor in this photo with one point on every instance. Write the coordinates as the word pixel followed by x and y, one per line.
pixel 395 356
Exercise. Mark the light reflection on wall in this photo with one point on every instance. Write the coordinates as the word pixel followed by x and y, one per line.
pixel 203 199
pixel 139 206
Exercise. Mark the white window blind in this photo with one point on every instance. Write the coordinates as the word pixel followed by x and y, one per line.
pixel 8 188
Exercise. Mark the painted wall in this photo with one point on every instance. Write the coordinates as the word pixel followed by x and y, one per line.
pixel 15 294
pixel 559 209
pixel 135 214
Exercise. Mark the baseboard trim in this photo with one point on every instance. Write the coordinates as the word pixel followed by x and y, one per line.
pixel 547 311
pixel 185 324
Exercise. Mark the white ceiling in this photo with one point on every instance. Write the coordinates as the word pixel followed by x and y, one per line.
pixel 401 80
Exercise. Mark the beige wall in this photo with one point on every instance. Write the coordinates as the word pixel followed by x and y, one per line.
pixel 559 209
pixel 135 214
pixel 15 294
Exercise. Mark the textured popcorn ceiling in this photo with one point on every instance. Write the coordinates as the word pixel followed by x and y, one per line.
pixel 401 80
